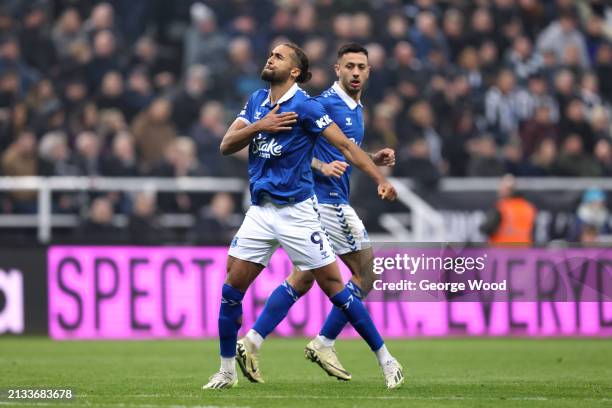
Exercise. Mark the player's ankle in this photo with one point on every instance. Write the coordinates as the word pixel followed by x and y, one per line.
pixel 383 356
pixel 228 365
pixel 255 338
pixel 325 341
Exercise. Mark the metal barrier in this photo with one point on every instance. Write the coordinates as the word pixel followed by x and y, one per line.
pixel 422 223
pixel 47 185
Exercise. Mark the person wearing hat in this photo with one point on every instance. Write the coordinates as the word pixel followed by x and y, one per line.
pixel 592 215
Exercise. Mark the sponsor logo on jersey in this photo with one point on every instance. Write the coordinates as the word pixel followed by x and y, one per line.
pixel 266 148
pixel 349 122
pixel 323 121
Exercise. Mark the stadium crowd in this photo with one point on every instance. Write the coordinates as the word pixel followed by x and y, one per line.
pixel 148 87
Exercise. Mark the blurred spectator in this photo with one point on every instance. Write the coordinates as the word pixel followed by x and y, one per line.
pixel 55 156
pixel 180 160
pixel 504 107
pixel 600 123
pixel 454 32
pixel 121 161
pixel 111 95
pixel 522 60
pixel 589 93
pixel 105 58
pixel 538 95
pixel 138 93
pixel 573 161
pixel 484 161
pixel 207 134
pixel 98 228
pixel 11 61
pixel 603 155
pixel 88 154
pixel 513 218
pixel 153 132
pixel 592 214
pixel 421 122
pixel 56 160
pixel 204 43
pixel 38 49
pixel 574 122
pixel 187 103
pixel 563 33
pixel 20 160
pixel 537 129
pixel 541 162
pixel 218 217
pixel 426 35
pixel 416 163
pixel 143 226
pixel 67 32
pixel 603 68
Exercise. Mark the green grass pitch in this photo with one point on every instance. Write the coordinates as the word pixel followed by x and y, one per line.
pixel 440 373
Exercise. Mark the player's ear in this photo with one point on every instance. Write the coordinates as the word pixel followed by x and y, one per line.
pixel 295 73
pixel 337 69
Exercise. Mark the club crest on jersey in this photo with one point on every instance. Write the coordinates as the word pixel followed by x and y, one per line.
pixel 349 122
pixel 266 148
pixel 257 115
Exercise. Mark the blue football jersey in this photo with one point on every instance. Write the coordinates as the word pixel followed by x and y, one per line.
pixel 348 115
pixel 279 163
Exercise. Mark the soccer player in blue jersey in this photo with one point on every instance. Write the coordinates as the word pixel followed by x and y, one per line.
pixel 344 228
pixel 280 126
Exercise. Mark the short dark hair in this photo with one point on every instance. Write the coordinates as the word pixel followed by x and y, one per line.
pixel 352 47
pixel 302 63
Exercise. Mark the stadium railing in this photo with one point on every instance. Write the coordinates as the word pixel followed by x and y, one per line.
pixel 45 220
pixel 420 224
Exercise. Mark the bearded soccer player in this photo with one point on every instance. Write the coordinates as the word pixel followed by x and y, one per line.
pixel 280 126
pixel 346 231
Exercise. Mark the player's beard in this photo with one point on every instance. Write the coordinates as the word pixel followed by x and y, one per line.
pixel 274 77
pixel 346 84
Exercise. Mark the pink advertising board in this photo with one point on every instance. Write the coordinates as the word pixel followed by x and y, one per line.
pixel 166 292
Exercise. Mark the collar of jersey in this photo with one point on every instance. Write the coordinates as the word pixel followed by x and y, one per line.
pixel 350 102
pixel 286 96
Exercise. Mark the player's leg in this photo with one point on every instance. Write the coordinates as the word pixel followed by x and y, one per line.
pixel 297 231
pixel 329 280
pixel 321 350
pixel 275 310
pixel 315 254
pixel 360 264
pixel 249 252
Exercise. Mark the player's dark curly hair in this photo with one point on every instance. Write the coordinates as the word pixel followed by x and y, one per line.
pixel 351 47
pixel 302 63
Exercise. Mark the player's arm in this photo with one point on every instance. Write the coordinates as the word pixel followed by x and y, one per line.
pixel 359 159
pixel 240 134
pixel 334 169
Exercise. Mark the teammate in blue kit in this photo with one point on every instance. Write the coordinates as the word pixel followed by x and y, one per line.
pixel 280 126
pixel 344 228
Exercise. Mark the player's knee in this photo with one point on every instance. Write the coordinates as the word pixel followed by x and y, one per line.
pixel 366 283
pixel 330 285
pixel 301 281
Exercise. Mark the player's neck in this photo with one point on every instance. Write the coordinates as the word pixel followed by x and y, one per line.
pixel 354 96
pixel 278 90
